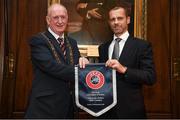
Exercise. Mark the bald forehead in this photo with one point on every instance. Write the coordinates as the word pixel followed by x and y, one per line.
pixel 56 7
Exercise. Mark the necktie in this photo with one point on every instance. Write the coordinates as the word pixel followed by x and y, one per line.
pixel 115 54
pixel 62 46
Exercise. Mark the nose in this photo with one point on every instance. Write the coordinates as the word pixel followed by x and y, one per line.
pixel 60 20
pixel 115 21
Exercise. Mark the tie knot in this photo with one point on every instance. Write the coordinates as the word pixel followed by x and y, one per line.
pixel 60 40
pixel 118 39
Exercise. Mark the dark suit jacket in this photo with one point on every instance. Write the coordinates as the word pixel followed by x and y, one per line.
pixel 138 57
pixel 50 95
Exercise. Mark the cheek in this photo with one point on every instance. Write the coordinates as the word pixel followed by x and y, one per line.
pixel 66 21
pixel 52 23
pixel 111 24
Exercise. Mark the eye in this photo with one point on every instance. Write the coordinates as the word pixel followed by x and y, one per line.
pixel 62 17
pixel 120 18
pixel 56 18
pixel 112 19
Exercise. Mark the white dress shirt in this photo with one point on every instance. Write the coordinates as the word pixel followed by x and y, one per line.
pixel 55 35
pixel 123 38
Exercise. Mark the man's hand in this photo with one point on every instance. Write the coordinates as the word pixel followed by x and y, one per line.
pixel 113 63
pixel 93 13
pixel 83 61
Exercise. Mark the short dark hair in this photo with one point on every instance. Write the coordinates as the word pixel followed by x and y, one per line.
pixel 120 4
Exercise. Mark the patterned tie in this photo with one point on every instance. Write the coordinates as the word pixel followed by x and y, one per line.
pixel 115 54
pixel 62 46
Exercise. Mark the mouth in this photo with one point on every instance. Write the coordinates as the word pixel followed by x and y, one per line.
pixel 60 26
pixel 116 29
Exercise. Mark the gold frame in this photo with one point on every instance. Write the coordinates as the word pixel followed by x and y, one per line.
pixel 140 26
pixel 140 17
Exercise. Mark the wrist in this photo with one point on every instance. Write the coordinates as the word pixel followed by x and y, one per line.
pixel 124 70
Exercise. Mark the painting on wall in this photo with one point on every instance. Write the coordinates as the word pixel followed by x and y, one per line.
pixel 89 30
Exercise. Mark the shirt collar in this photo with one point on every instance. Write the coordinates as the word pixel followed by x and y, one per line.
pixel 54 34
pixel 124 36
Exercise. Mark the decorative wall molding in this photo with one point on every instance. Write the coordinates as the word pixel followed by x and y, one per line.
pixel 140 19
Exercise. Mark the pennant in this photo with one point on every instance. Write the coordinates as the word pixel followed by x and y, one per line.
pixel 95 88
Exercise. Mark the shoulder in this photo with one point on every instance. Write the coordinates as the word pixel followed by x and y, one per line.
pixel 71 40
pixel 140 42
pixel 104 45
pixel 41 37
pixel 37 39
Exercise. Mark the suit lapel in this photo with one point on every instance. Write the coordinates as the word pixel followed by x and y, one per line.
pixel 105 56
pixel 107 50
pixel 126 52
pixel 67 51
pixel 56 44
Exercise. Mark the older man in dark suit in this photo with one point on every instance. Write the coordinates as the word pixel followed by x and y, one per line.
pixel 133 60
pixel 53 56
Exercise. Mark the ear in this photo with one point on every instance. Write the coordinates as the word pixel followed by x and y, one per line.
pixel 47 19
pixel 128 20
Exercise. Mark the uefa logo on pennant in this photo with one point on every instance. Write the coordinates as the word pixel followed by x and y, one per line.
pixel 95 79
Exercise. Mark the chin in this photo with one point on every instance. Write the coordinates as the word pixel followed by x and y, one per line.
pixel 61 31
pixel 117 32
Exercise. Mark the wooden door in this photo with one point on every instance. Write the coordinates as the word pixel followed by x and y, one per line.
pixel 2 29
pixel 175 55
pixel 162 31
pixel 24 18
pixel 158 98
